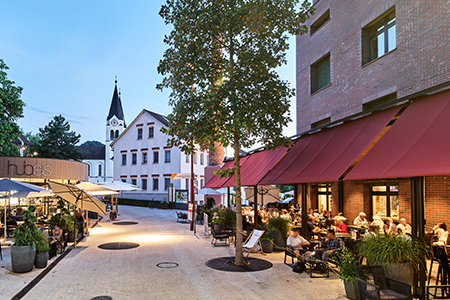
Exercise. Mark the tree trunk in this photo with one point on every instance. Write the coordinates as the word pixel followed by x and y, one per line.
pixel 239 259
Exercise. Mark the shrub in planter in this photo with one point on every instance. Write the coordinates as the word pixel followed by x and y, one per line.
pixel 25 237
pixel 42 249
pixel 400 256
pixel 278 227
pixel 347 262
pixel 267 243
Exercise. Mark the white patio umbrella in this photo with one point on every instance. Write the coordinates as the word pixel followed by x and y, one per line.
pixel 96 189
pixel 208 191
pixel 119 186
pixel 9 187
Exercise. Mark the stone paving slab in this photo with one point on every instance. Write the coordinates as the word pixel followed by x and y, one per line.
pixel 87 271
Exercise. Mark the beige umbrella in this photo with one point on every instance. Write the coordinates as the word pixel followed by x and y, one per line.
pixel 77 196
pixel 267 193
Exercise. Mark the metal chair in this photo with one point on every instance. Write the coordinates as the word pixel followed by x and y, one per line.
pixel 219 236
pixel 373 284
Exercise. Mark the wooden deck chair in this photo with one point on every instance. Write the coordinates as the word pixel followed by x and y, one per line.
pixel 252 241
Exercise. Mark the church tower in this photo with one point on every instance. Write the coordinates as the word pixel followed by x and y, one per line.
pixel 115 125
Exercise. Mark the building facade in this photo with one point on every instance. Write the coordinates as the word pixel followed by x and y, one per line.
pixel 360 54
pixel 94 157
pixel 364 56
pixel 142 157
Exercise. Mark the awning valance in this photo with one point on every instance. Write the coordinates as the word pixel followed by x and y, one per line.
pixel 325 156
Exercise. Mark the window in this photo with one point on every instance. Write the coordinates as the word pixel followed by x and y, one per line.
pixel 124 180
pixel 385 201
pixel 139 134
pixel 124 159
pixel 195 158
pixel 151 132
pixel 100 167
pixel 144 158
pixel 155 184
pixel 144 184
pixel 133 158
pixel 111 134
pixel 201 158
pixel 324 197
pixel 321 21
pixel 187 158
pixel 320 74
pixel 133 181
pixel 116 135
pixel 320 123
pixel 379 38
pixel 187 184
pixel 379 102
pixel 89 169
pixel 166 184
pixel 201 183
pixel 155 157
pixel 167 156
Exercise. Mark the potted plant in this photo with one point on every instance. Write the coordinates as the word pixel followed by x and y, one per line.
pixel 267 243
pixel 42 249
pixel 347 262
pixel 71 228
pixel 218 223
pixel 23 251
pixel 278 227
pixel 399 255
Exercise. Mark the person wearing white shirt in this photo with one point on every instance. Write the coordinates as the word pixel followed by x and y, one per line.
pixel 441 231
pixel 404 227
pixel 360 220
pixel 296 241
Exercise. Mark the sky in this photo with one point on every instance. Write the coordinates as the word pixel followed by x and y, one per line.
pixel 66 54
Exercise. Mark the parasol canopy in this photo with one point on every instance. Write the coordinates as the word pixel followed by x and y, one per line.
pixel 208 191
pixel 77 196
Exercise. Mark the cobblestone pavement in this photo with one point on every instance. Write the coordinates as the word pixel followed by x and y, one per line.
pixel 88 271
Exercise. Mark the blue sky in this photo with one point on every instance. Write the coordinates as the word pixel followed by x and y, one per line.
pixel 66 55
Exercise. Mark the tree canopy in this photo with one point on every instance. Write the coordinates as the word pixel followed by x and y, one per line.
pixel 92 143
pixel 221 65
pixel 11 109
pixel 57 141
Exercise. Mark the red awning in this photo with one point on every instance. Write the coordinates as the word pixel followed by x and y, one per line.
pixel 217 182
pixel 257 165
pixel 417 144
pixel 325 156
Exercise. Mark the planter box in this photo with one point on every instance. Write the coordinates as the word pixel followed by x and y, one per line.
pixel 267 246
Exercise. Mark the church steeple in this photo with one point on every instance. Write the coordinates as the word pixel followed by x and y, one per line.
pixel 116 106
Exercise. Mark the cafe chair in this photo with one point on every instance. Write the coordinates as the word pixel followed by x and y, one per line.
pixel 218 236
pixel 374 285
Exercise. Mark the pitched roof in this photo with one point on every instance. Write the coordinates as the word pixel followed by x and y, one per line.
pixel 26 142
pixel 92 152
pixel 116 106
pixel 160 118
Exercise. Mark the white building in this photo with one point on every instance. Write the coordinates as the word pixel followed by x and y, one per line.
pixel 142 158
pixel 95 159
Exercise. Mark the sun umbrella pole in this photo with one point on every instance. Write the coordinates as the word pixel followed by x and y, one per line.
pixel 4 216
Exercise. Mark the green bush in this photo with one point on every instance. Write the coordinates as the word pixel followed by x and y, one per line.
pixel 278 224
pixel 27 234
pixel 347 262
pixel 42 244
pixel 385 249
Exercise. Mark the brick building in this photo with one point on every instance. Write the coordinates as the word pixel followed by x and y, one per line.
pixel 362 57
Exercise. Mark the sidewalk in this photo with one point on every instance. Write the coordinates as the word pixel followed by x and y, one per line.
pixel 88 271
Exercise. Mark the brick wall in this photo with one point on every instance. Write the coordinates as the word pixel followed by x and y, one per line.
pixel 437 200
pixel 420 60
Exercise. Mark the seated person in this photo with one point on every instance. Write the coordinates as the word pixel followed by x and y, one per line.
pixel 339 224
pixel 296 242
pixel 404 227
pixel 330 244
pixel 312 229
pixel 378 222
pixel 361 220
pixel 440 230
pixel 57 236
pixel 113 215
